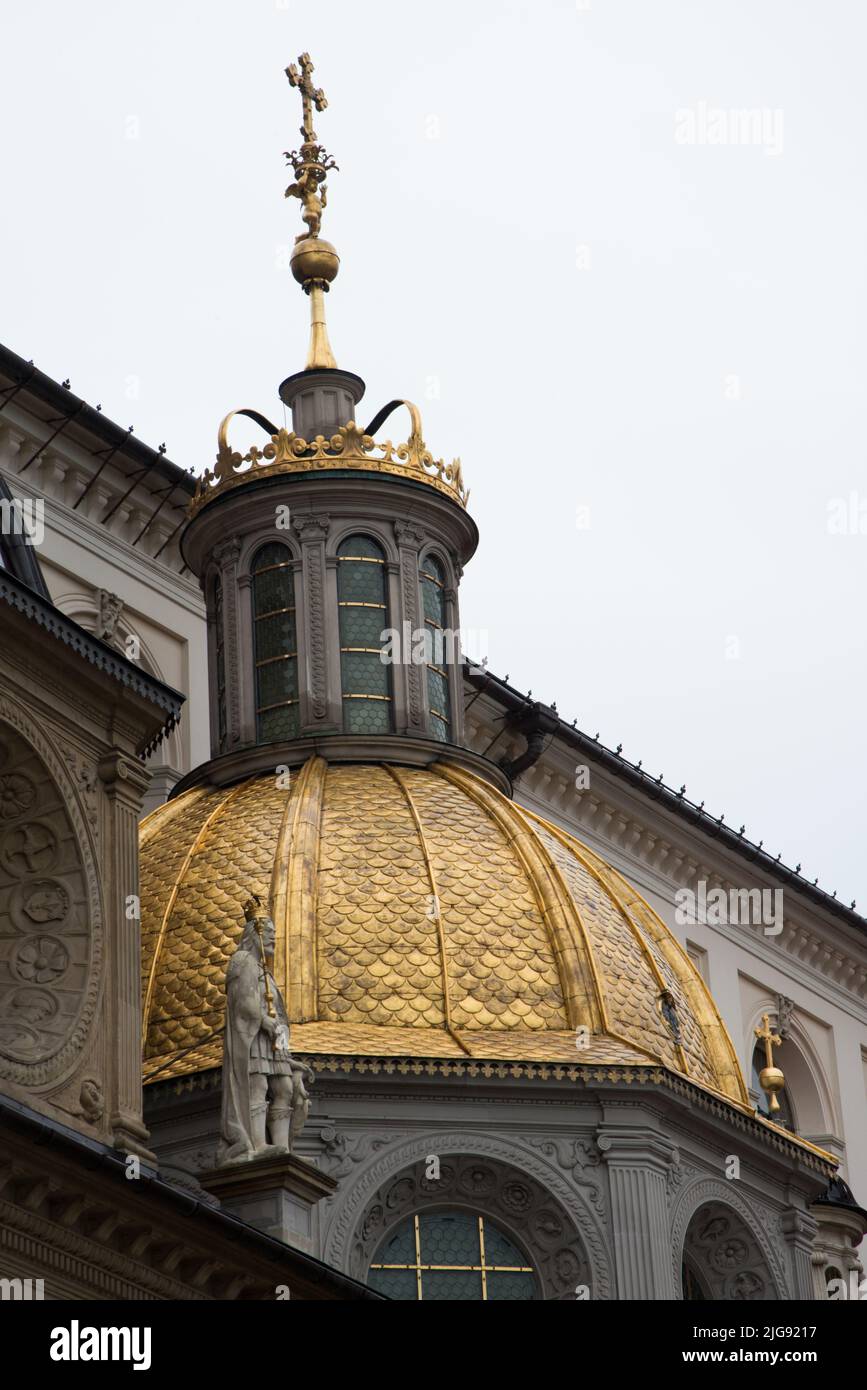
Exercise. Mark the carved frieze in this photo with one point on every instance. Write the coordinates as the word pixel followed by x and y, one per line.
pixel 50 920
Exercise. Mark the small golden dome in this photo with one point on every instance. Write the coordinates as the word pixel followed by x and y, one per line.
pixel 419 913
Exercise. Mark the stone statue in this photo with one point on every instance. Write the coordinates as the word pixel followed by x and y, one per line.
pixel 263 1084
pixel 110 608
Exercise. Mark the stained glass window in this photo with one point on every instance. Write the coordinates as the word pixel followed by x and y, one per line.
pixel 432 577
pixel 275 644
pixel 451 1256
pixel 220 661
pixel 363 608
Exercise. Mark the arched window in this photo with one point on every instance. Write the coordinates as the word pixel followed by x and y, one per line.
pixel 363 609
pixel 220 662
pixel 451 1256
pixel 433 582
pixel 785 1116
pixel 274 644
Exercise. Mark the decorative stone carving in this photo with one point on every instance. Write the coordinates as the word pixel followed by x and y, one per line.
pixel 582 1160
pixel 51 942
pixel 263 1084
pixel 342 1153
pixel 109 609
pixel 313 531
pixel 785 1009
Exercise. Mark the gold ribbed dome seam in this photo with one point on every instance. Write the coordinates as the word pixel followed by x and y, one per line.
pixel 173 897
pixel 294 881
pixel 413 810
pixel 721 1050
pixel 583 1000
pixel 575 847
pixel 163 815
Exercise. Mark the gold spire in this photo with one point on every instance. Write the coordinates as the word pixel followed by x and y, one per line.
pixel 315 262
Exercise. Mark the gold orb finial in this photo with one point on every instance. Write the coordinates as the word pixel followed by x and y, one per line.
pixel 771 1079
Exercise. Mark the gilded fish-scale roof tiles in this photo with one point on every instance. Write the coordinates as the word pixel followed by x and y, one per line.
pixel 445 922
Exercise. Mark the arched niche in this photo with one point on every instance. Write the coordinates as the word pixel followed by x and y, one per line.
pixel 808 1091
pixel 722 1258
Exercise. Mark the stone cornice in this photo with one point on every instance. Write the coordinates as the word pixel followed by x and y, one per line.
pixel 98 654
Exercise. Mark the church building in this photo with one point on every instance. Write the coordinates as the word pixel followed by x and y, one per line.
pixel 556 1046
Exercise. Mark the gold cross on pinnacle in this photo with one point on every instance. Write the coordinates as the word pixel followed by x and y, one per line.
pixel 770 1039
pixel 310 96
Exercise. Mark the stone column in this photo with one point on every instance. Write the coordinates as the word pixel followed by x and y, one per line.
pixel 317 715
pixel 799 1229
pixel 125 781
pixel 638 1161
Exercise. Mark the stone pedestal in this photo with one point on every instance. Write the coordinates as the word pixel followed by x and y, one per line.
pixel 277 1195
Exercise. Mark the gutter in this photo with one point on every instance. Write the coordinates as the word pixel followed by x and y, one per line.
pixel 27 379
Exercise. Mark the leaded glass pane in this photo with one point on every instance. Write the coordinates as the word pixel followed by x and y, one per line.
pixel 272 554
pixel 367 716
pixel 362 627
pixel 453 1285
pixel 361 545
pixel 457 1256
pixel 363 673
pixel 499 1250
pixel 278 681
pixel 399 1248
pixel 511 1288
pixel 273 591
pixel 438 692
pixel 278 723
pixel 431 577
pixel 434 603
pixel 400 1284
pixel 360 581
pixel 449 1238
pixel 275 636
pixel 431 567
pixel 363 617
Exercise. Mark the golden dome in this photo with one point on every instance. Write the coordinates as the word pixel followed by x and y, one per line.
pixel 419 913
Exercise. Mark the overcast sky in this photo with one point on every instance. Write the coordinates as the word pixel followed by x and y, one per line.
pixel 638 319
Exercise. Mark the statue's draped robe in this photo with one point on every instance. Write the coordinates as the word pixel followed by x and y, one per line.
pixel 246 1008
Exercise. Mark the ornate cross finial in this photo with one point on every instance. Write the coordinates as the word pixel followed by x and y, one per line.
pixel 771 1079
pixel 769 1038
pixel 310 96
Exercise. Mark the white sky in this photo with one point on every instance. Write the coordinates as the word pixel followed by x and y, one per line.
pixel 155 265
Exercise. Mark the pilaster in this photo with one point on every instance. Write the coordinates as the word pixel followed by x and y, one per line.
pixel 125 782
